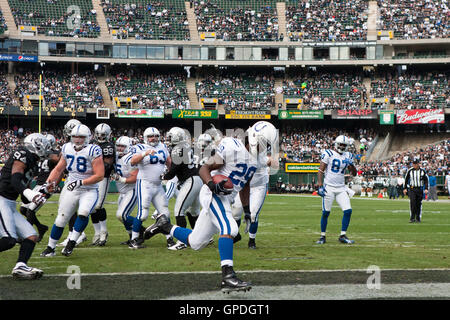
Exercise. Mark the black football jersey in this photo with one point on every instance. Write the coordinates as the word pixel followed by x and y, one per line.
pixel 108 151
pixel 45 167
pixel 183 165
pixel 30 160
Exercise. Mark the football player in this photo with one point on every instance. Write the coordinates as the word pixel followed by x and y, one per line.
pixel 125 177
pixel 259 187
pixel 184 168
pixel 66 133
pixel 238 162
pixel 15 176
pixel 84 163
pixel 29 209
pixel 333 165
pixel 102 136
pixel 151 158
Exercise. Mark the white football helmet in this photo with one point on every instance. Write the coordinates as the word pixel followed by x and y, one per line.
pixel 37 143
pixel 342 143
pixel 204 140
pixel 262 136
pixel 175 136
pixel 123 145
pixel 69 126
pixel 102 132
pixel 215 134
pixel 51 139
pixel 149 133
pixel 80 131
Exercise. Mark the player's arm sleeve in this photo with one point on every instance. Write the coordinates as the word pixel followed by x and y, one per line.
pixel 325 156
pixel 405 185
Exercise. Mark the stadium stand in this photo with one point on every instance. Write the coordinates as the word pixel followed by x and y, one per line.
pixel 149 20
pixel 327 90
pixel 7 97
pixel 422 19
pixel 58 18
pixel 141 88
pixel 325 20
pixel 239 90
pixel 60 88
pixel 417 89
pixel 238 20
pixel 3 25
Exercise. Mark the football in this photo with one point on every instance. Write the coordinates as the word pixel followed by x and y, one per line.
pixel 219 177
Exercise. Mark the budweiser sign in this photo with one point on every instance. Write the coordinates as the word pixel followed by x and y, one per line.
pixel 420 116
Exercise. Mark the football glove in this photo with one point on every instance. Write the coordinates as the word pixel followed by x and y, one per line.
pixel 219 188
pixel 75 185
pixel 321 192
pixel 348 161
pixel 34 196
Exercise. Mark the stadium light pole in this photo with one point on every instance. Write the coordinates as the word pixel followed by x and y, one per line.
pixel 40 98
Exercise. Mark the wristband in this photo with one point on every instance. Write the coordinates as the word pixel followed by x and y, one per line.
pixel 211 185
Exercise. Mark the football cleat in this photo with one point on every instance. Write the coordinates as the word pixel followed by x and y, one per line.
pixel 251 243
pixel 22 271
pixel 178 246
pixel 68 249
pixel 82 238
pixel 64 243
pixel 42 230
pixel 103 238
pixel 160 226
pixel 344 239
pixel 322 240
pixel 232 283
pixel 95 240
pixel 136 244
pixel 48 252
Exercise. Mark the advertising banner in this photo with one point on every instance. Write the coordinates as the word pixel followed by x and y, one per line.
pixel 140 113
pixel 300 114
pixel 310 167
pixel 195 114
pixel 248 114
pixel 354 114
pixel 420 116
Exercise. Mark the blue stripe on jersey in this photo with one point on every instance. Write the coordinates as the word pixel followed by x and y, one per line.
pixel 329 152
pixel 222 209
pixel 218 218
pixel 90 151
pixel 236 142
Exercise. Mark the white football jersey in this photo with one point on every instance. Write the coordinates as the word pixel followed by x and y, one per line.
pixel 335 172
pixel 124 169
pixel 239 166
pixel 152 166
pixel 79 163
pixel 261 176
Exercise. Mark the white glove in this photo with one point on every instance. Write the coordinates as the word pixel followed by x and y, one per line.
pixel 34 196
pixel 117 177
pixel 75 185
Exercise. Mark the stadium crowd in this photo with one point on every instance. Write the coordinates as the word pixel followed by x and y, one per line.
pixel 413 89
pixel 238 20
pixel 6 95
pixel 328 91
pixel 421 19
pixel 325 20
pixel 239 91
pixel 60 88
pixel 150 90
pixel 147 20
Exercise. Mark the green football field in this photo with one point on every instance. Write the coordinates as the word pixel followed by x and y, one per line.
pixel 288 228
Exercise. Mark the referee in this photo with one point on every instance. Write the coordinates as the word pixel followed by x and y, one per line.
pixel 416 184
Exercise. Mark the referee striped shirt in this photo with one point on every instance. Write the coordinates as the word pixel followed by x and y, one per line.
pixel 416 179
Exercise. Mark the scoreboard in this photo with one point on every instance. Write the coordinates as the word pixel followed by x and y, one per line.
pixel 46 111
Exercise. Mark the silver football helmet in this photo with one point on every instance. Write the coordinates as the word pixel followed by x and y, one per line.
pixel 175 136
pixel 51 139
pixel 262 137
pixel 102 132
pixel 69 126
pixel 204 140
pixel 37 143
